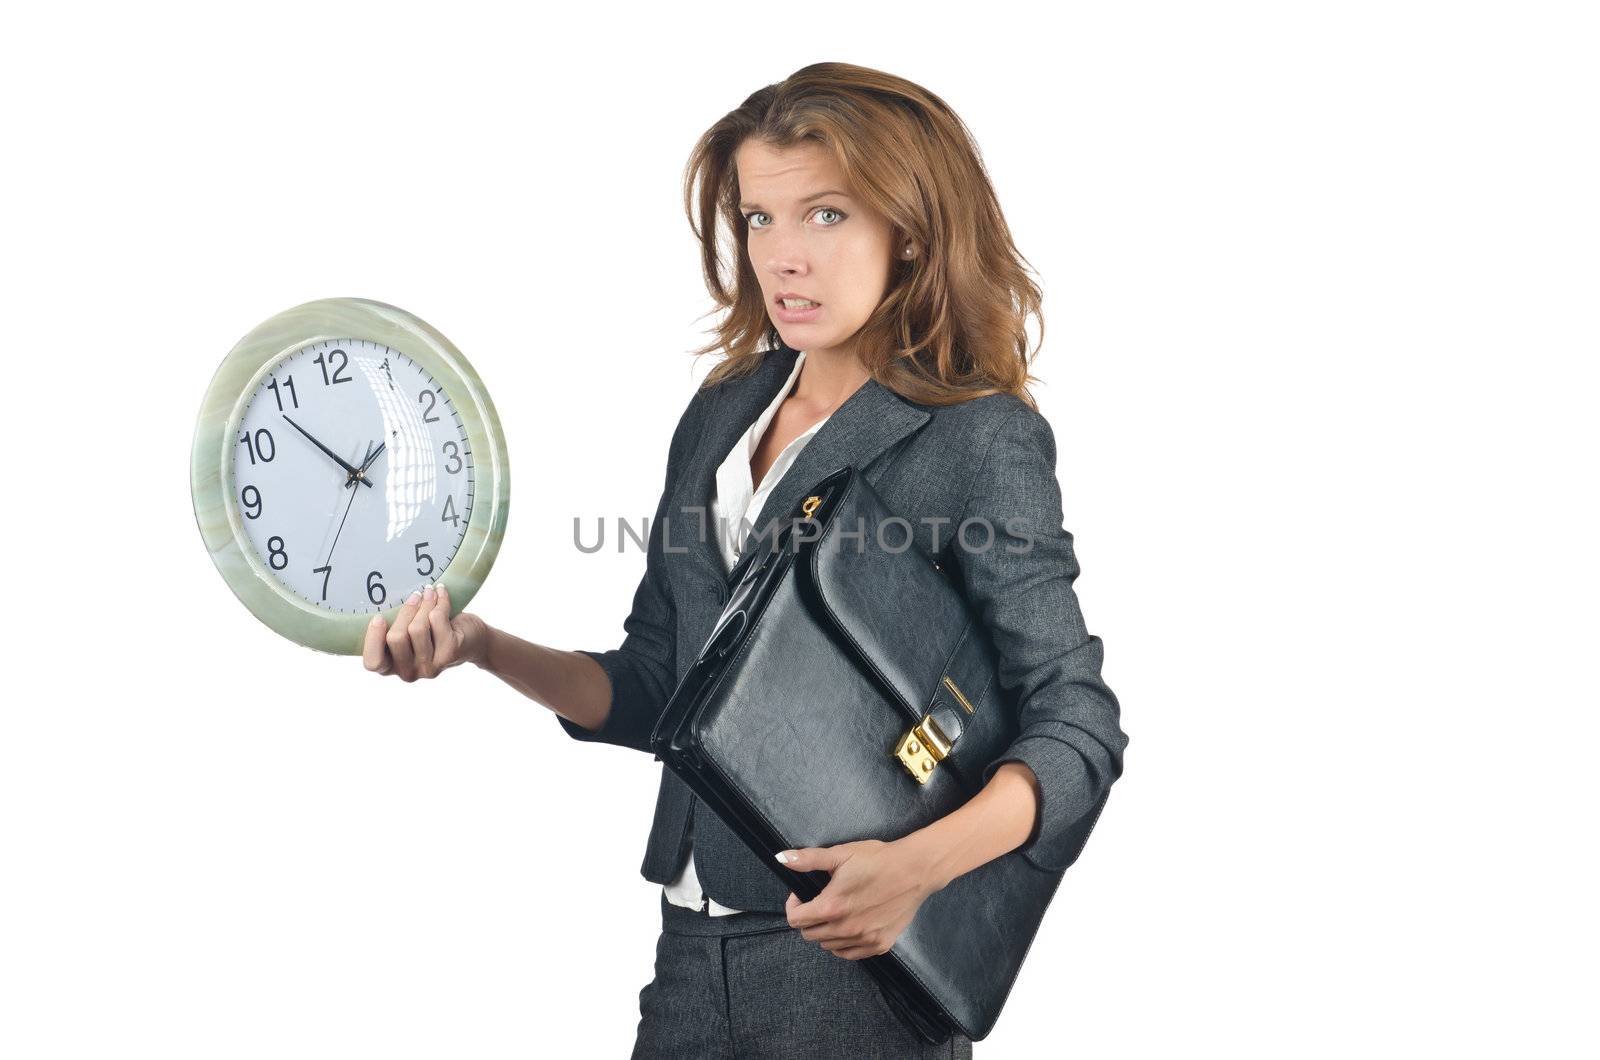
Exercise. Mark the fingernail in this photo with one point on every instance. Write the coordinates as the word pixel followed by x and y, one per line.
pixel 413 598
pixel 375 620
pixel 787 856
pixel 428 594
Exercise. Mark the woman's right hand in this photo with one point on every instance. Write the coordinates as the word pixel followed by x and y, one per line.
pixel 425 640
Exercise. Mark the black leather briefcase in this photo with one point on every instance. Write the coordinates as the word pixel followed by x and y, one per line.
pixel 849 692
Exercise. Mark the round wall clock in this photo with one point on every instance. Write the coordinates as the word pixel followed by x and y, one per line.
pixel 345 454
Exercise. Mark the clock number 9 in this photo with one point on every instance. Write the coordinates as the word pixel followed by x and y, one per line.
pixel 244 498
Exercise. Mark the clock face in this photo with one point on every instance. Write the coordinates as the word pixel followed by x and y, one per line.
pixel 352 477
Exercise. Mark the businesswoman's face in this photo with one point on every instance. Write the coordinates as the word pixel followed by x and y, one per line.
pixel 807 239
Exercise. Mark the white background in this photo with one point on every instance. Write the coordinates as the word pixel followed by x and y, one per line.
pixel 1320 356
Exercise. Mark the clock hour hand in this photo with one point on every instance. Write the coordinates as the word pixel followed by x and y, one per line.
pixel 335 456
pixel 362 472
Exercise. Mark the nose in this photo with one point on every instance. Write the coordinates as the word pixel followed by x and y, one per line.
pixel 786 255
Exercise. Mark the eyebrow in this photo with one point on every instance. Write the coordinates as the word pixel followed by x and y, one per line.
pixel 808 198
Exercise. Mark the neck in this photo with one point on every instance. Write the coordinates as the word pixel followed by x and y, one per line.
pixel 828 378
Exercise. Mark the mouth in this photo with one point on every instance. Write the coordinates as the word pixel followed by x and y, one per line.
pixel 796 310
pixel 791 308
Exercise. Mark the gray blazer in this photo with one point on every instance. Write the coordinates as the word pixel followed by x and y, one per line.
pixel 990 458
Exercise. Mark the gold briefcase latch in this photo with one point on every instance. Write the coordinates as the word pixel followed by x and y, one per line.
pixel 922 748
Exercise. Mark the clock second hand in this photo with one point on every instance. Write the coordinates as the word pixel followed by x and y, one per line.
pixel 329 561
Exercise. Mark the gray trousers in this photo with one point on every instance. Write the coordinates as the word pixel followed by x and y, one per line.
pixel 748 987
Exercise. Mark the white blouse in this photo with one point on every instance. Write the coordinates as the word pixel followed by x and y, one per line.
pixel 735 506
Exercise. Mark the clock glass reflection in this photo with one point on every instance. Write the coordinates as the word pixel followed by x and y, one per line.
pixel 352 478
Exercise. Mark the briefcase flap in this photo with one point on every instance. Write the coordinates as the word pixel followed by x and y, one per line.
pixel 862 570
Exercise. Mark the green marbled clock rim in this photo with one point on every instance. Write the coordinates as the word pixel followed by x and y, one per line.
pixel 211 467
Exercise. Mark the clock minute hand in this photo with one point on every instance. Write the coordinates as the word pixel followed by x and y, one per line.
pixel 362 473
pixel 335 456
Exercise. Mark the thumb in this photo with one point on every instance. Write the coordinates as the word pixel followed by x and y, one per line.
pixel 809 859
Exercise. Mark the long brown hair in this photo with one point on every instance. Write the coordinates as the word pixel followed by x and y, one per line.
pixel 951 324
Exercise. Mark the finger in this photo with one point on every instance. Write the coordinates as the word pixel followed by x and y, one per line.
pixel 808 859
pixel 373 649
pixel 856 953
pixel 446 641
pixel 831 934
pixel 422 635
pixel 795 909
pixel 809 915
pixel 399 639
pixel 792 907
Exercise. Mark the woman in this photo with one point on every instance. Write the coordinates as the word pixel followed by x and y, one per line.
pixel 876 313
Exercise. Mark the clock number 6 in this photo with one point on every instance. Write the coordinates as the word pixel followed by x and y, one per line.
pixel 376 587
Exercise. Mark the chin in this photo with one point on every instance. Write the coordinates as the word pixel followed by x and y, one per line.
pixel 801 337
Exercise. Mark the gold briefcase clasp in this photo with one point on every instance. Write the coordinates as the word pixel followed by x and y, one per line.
pixel 922 748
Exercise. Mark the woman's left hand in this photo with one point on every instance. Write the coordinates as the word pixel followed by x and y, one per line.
pixel 876 889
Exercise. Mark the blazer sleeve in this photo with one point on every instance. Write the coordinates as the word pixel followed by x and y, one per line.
pixel 1021 586
pixel 643 671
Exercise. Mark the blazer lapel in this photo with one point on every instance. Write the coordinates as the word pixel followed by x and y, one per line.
pixel 870 421
pixel 727 419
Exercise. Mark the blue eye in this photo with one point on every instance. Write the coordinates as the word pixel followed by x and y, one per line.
pixel 749 218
